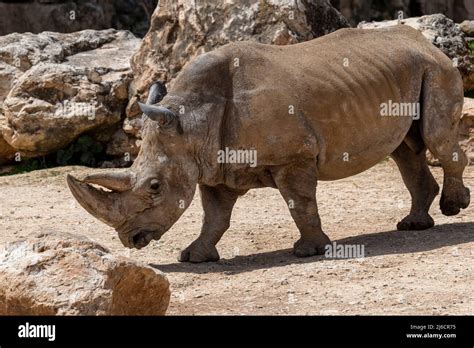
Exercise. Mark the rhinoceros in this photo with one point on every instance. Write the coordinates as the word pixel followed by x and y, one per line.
pixel 310 111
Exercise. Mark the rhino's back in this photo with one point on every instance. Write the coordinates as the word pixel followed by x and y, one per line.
pixel 321 99
pixel 391 49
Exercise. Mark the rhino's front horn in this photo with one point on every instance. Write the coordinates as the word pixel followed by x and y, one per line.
pixel 160 114
pixel 105 206
pixel 115 181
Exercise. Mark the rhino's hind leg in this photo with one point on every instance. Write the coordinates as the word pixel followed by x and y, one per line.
pixel 297 185
pixel 455 196
pixel 217 203
pixel 421 184
pixel 441 110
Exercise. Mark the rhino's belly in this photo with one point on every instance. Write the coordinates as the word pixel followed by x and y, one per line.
pixel 346 156
pixel 334 170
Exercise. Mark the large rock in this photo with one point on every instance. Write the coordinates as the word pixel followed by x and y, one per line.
pixel 58 274
pixel 181 30
pixel 62 85
pixel 467 28
pixel 7 152
pixel 466 130
pixel 444 34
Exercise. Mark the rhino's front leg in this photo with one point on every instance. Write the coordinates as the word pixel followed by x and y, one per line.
pixel 297 185
pixel 217 203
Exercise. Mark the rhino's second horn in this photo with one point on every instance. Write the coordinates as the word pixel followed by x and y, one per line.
pixel 160 114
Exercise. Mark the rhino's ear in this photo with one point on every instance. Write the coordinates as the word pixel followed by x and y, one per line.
pixel 164 117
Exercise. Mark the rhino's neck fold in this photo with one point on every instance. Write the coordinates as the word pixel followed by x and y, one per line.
pixel 204 126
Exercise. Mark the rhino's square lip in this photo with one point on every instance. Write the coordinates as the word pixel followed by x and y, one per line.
pixel 140 237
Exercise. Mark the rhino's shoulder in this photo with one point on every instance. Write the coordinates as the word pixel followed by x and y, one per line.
pixel 224 59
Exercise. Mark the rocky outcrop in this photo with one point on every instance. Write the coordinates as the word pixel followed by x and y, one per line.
pixel 70 16
pixel 7 152
pixel 58 274
pixel 62 85
pixel 181 30
pixel 444 34
pixel 466 130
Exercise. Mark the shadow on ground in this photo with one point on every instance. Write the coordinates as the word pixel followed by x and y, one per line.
pixel 376 244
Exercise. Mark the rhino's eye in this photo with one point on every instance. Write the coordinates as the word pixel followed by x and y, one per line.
pixel 154 185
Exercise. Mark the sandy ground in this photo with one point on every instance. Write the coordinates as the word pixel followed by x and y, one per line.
pixel 424 272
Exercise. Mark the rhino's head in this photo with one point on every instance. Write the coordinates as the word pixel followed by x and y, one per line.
pixel 143 202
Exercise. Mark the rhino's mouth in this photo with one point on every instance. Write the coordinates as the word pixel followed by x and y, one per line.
pixel 139 238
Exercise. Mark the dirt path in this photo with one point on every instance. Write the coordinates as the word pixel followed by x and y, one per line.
pixel 425 272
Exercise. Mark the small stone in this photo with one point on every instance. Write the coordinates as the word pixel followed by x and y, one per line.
pixel 467 27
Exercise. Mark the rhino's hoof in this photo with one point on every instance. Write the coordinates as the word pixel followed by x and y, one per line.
pixel 413 222
pixel 305 248
pixel 199 252
pixel 452 206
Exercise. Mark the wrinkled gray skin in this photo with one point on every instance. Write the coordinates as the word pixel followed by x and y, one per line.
pixel 241 96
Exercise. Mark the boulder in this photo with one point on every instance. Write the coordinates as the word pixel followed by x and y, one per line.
pixel 8 74
pixel 466 130
pixel 123 144
pixel 59 274
pixel 444 34
pixel 467 28
pixel 7 153
pixel 181 30
pixel 59 86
